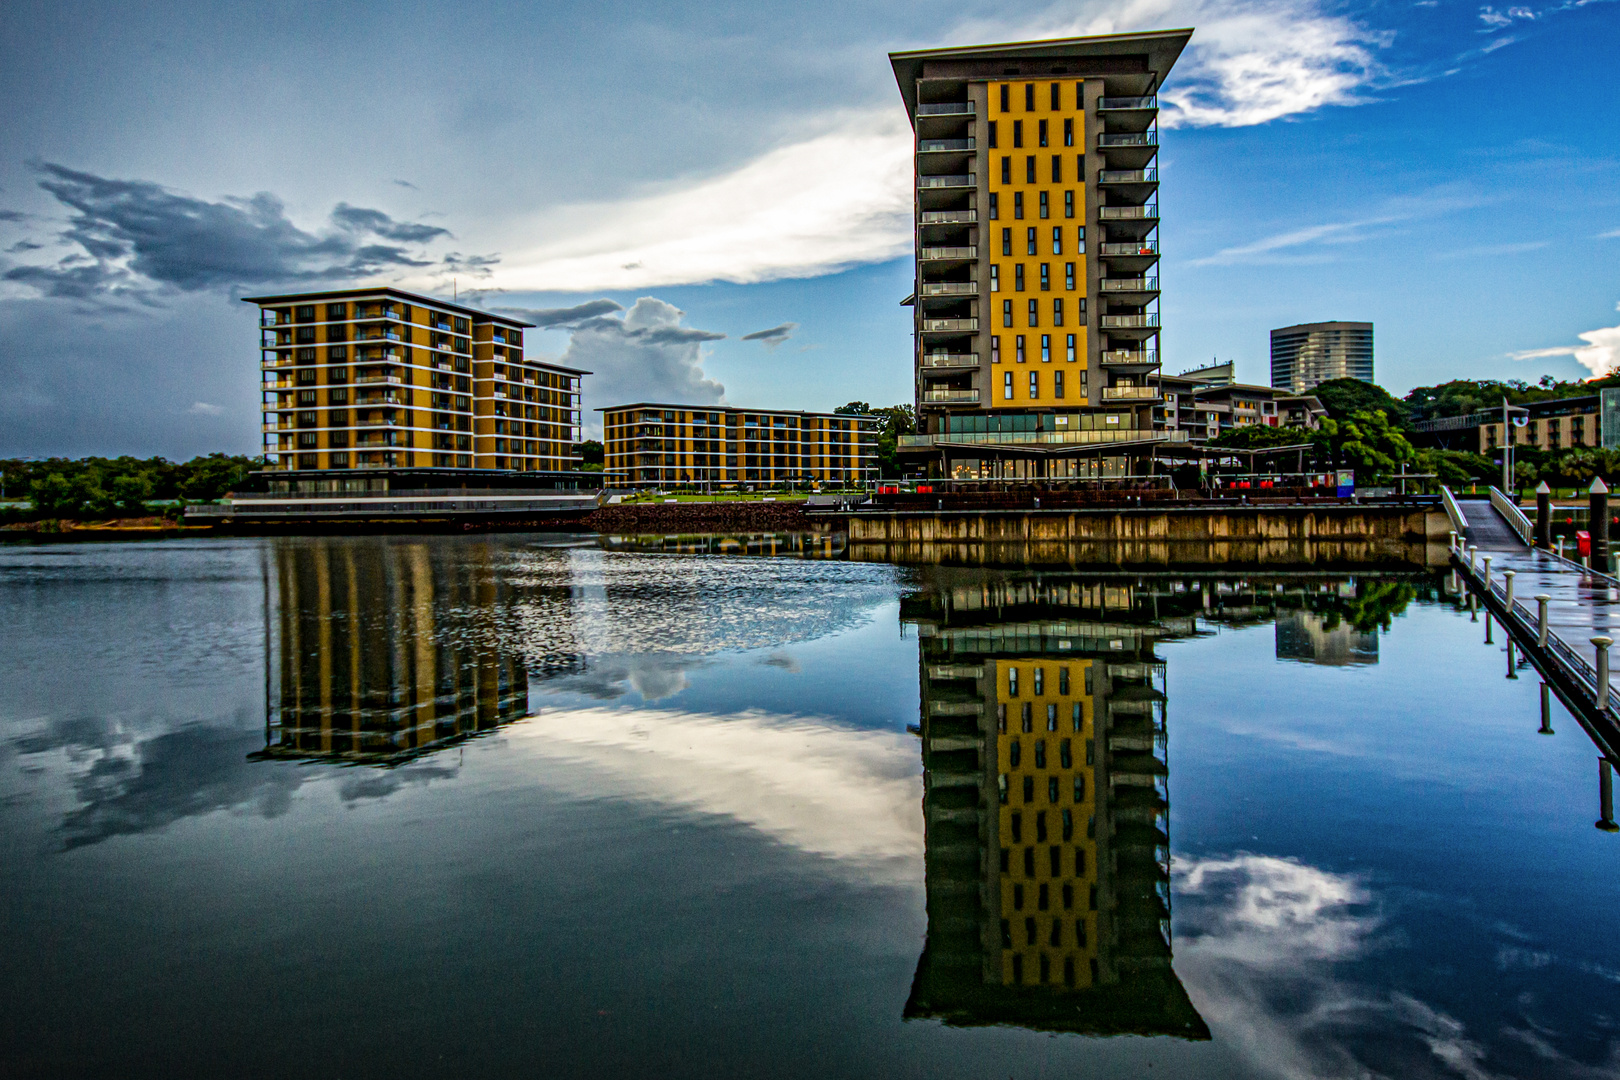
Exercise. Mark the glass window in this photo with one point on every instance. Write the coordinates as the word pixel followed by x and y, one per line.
pixel 1040 132
pixel 1006 169
pixel 1018 206
pixel 1029 97
pixel 1068 133
pixel 1057 311
pixel 1029 241
pixel 1046 277
pixel 1070 359
pixel 995 278
pixel 1034 386
pixel 990 132
pixel 1057 168
pixel 1019 346
pixel 1057 96
pixel 1068 276
pixel 1068 204
pixel 1018 279
pixel 1046 209
pixel 995 207
pixel 1018 133
pixel 1057 239
pixel 1005 88
pixel 1006 241
pixel 1057 392
pixel 1029 168
pixel 1034 313
pixel 1006 313
pixel 1046 358
pixel 1006 386
pixel 995 348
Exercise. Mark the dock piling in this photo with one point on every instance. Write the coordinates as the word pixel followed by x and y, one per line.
pixel 1513 661
pixel 1598 524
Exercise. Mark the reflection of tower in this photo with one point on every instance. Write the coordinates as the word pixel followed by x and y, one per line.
pixel 1308 636
pixel 1045 803
pixel 362 662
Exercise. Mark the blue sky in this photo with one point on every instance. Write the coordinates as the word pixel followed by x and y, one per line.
pixel 1446 170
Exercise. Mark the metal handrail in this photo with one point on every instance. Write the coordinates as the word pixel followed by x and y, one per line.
pixel 1459 520
pixel 1513 515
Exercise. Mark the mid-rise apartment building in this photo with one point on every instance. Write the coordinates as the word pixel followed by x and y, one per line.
pixel 1036 290
pixel 650 444
pixel 1311 353
pixel 385 379
pixel 1564 424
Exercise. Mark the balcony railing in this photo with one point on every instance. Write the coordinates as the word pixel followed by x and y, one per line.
pixel 949 360
pixel 374 423
pixel 1131 393
pixel 928 145
pixel 1135 247
pixel 386 398
pixel 1130 284
pixel 378 379
pixel 1127 213
pixel 376 335
pixel 950 288
pixel 950 253
pixel 1128 356
pixel 1149 102
pixel 946 108
pixel 1128 176
pixel 1025 437
pixel 1129 138
pixel 950 217
pixel 950 324
pixel 1130 322
pixel 958 180
pixel 952 397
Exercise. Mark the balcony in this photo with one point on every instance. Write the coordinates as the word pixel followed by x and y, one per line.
pixel 1131 322
pixel 946 108
pixel 1127 213
pixel 1128 357
pixel 992 438
pixel 950 217
pixel 1130 284
pixel 363 379
pixel 949 360
pixel 960 180
pixel 951 397
pixel 926 146
pixel 1109 104
pixel 1135 247
pixel 386 398
pixel 935 253
pixel 376 335
pixel 1127 139
pixel 1128 176
pixel 374 424
pixel 950 288
pixel 1131 393
pixel 956 325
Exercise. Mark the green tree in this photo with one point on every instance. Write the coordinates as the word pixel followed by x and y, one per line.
pixel 591 453
pixel 1366 442
pixel 1343 398
pixel 1261 437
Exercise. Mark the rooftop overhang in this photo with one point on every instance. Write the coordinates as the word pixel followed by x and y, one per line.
pixel 1154 52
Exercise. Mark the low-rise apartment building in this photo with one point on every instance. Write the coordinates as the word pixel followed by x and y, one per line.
pixel 1552 425
pixel 652 444
pixel 385 379
pixel 1207 402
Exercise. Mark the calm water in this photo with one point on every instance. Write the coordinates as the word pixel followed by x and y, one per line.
pixel 462 807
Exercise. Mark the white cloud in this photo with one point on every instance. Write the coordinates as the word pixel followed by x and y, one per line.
pixel 203 408
pixel 1600 355
pixel 1612 234
pixel 1284 246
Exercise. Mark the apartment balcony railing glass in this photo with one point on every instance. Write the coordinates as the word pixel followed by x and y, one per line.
pixel 1129 356
pixel 950 217
pixel 954 397
pixel 1128 176
pixel 1149 102
pixel 1132 284
pixel 1130 322
pixel 1135 247
pixel 1129 138
pixel 949 253
pixel 1131 393
pixel 378 379
pixel 946 108
pixel 1127 213
pixel 950 324
pixel 950 288
pixel 963 180
pixel 949 360
pixel 991 438
pixel 928 145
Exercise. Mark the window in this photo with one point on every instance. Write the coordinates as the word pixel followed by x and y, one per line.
pixel 1080 240
pixel 1046 209
pixel 1068 133
pixel 1057 169
pixel 1005 107
pixel 1080 781
pixel 1040 132
pixel 1034 313
pixel 991 134
pixel 1018 133
pixel 1034 386
pixel 1046 277
pixel 1057 392
pixel 995 348
pixel 1006 241
pixel 1068 204
pixel 995 277
pixel 1018 279
pixel 337 311
pixel 1018 346
pixel 1051 790
pixel 995 206
pixel 1040 763
pixel 1079 715
pixel 1068 276
pixel 1057 239
pixel 1012 682
pixel 1006 169
pixel 1051 718
pixel 1070 358
pixel 1006 313
pixel 1029 789
pixel 1029 169
pixel 1015 753
pixel 1006 386
pixel 1046 349
pixel 306 313
pixel 1057 311
pixel 1018 206
pixel 1029 97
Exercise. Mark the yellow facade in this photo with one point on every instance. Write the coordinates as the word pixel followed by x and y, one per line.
pixel 389 379
pixel 648 444
pixel 1046 773
pixel 1037 239
pixel 1576 428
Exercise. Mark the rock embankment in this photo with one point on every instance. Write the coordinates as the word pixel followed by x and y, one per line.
pixel 701 517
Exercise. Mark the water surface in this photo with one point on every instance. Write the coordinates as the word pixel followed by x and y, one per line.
pixel 522 805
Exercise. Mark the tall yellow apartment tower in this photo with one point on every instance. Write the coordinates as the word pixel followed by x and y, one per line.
pixel 1037 289
pixel 384 379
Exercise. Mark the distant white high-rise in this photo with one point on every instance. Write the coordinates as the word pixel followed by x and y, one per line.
pixel 1303 356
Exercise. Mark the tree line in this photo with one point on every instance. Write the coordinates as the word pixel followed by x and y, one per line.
pixel 100 487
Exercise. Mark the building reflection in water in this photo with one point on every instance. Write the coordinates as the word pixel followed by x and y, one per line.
pixel 371 657
pixel 1046 782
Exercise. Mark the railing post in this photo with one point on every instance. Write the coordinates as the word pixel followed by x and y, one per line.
pixel 1546 711
pixel 1512 671
pixel 1473 550
pixel 1452 547
pixel 1543 516
pixel 1605 819
pixel 1541 619
pixel 1507 579
pixel 1602 644
pixel 1487 574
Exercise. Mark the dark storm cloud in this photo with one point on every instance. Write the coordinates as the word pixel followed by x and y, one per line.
pixel 563 318
pixel 12 215
pixel 132 236
pixel 774 336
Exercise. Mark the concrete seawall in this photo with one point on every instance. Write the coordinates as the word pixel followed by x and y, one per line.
pixel 1334 536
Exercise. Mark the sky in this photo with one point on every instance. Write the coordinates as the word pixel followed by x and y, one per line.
pixel 711 202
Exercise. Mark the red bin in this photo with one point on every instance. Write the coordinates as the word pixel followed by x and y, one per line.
pixel 1583 542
